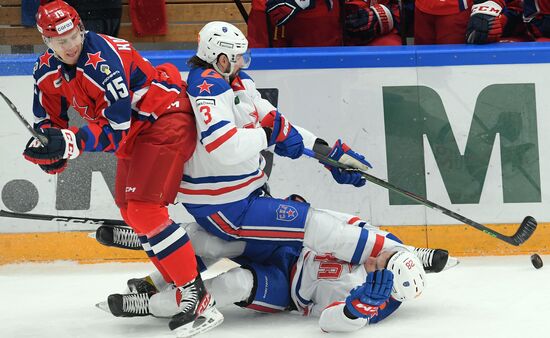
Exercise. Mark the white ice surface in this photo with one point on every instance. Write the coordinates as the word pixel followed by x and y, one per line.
pixel 481 297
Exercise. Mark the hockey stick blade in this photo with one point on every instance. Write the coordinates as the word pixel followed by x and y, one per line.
pixel 525 230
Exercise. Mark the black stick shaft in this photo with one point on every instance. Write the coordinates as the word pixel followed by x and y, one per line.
pixel 241 8
pixel 41 138
pixel 59 218
pixel 320 150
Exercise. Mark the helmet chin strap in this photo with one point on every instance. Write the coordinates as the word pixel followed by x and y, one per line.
pixel 226 75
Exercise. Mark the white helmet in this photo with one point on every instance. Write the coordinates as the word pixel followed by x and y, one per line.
pixel 409 277
pixel 219 37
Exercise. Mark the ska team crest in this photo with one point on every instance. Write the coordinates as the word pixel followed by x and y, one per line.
pixel 286 213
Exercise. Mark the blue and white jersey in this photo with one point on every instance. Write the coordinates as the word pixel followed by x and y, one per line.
pixel 320 284
pixel 226 165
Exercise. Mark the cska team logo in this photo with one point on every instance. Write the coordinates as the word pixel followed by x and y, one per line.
pixel 286 213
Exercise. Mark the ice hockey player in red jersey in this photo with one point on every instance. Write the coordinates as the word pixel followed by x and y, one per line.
pixel 536 14
pixel 371 23
pixel 496 21
pixel 286 23
pixel 139 112
pixel 441 21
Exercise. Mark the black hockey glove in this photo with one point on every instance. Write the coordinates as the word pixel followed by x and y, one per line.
pixel 484 25
pixel 61 144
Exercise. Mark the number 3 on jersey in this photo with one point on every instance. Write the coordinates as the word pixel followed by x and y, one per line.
pixel 205 111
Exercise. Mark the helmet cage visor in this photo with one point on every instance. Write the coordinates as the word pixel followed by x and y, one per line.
pixel 243 60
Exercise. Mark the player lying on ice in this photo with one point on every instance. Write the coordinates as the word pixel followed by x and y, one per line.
pixel 275 278
pixel 222 183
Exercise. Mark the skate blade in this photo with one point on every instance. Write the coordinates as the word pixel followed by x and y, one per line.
pixel 205 322
pixel 103 306
pixel 451 263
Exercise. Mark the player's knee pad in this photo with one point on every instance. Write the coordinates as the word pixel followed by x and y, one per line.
pixel 233 286
pixel 271 291
pixel 145 217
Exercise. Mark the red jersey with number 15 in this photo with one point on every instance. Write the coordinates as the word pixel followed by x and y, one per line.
pixel 112 87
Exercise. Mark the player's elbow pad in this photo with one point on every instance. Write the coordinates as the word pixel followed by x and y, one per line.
pixel 333 319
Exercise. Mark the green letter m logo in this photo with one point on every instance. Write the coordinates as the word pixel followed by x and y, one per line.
pixel 410 112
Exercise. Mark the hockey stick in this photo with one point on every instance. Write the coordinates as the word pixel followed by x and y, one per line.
pixel 525 230
pixel 111 232
pixel 41 138
pixel 67 219
pixel 241 8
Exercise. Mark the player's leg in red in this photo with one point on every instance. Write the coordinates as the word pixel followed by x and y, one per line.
pixel 153 175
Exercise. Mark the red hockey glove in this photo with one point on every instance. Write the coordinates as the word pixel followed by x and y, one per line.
pixel 61 145
pixel 485 24
pixel 280 11
pixel 367 23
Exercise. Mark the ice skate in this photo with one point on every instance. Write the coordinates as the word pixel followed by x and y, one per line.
pixel 142 285
pixel 130 305
pixel 435 260
pixel 198 313
pixel 118 236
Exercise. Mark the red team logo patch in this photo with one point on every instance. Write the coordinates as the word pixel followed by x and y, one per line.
pixel 45 59
pixel 94 59
pixel 205 87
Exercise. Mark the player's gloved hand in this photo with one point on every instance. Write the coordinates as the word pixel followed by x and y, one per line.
pixel 485 24
pixel 61 144
pixel 363 301
pixel 367 22
pixel 54 168
pixel 342 153
pixel 288 142
pixel 280 11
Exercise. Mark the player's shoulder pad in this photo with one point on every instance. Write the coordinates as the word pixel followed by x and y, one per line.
pixel 45 64
pixel 206 82
pixel 100 59
pixel 247 81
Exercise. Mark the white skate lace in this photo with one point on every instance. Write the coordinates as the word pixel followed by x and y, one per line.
pixel 425 255
pixel 189 298
pixel 136 303
pixel 126 237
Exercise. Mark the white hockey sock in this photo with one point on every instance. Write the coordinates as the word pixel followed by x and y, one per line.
pixel 163 304
pixel 208 246
pixel 158 280
pixel 231 287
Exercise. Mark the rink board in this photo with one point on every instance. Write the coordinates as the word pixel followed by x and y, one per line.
pixel 460 125
pixel 78 246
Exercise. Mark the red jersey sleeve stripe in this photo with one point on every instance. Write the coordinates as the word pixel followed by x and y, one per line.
pixel 378 245
pixel 220 140
pixel 220 191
